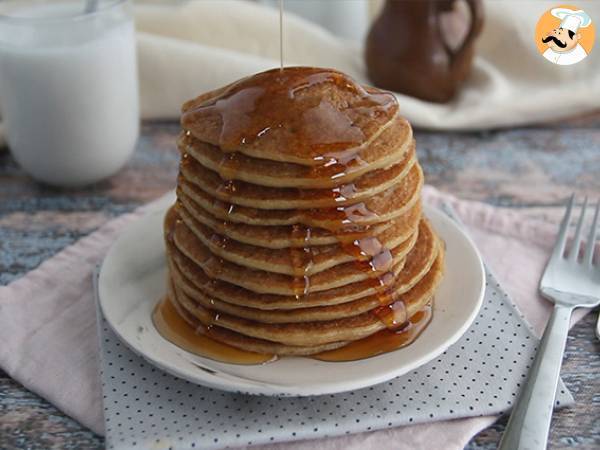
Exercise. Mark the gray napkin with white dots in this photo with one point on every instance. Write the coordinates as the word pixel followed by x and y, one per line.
pixel 145 407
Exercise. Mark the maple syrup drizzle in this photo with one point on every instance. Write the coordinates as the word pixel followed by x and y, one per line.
pixel 229 166
pixel 302 262
pixel 383 341
pixel 281 35
pixel 273 102
pixel 174 328
pixel 380 260
pixel 393 315
pixel 229 162
pixel 171 325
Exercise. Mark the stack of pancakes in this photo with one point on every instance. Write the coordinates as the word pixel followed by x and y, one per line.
pixel 298 226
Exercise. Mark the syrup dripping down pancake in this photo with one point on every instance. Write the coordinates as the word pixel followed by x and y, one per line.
pixel 300 115
pixel 300 315
pixel 416 265
pixel 233 213
pixel 322 332
pixel 395 144
pixel 385 206
pixel 242 342
pixel 286 236
pixel 315 259
pixel 252 195
pixel 276 283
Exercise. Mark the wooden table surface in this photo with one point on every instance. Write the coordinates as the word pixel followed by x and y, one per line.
pixel 530 169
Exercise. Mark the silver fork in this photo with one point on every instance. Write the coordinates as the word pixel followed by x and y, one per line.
pixel 569 282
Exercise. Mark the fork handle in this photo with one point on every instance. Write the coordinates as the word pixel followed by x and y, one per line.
pixel 529 422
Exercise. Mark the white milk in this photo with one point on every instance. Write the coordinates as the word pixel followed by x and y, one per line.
pixel 69 92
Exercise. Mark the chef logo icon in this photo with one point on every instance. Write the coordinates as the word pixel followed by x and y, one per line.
pixel 565 35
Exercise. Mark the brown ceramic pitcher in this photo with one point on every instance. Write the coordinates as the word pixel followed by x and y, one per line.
pixel 407 51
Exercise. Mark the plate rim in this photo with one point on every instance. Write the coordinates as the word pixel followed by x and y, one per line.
pixel 224 382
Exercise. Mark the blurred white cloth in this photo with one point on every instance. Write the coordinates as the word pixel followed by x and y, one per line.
pixel 202 44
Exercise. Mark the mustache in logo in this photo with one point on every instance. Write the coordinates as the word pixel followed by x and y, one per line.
pixel 555 40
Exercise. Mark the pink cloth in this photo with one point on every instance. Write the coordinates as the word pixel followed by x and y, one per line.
pixel 50 344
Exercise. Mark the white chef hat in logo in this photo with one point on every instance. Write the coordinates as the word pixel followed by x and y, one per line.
pixel 570 19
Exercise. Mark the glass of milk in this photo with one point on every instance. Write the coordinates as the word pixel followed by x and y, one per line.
pixel 68 88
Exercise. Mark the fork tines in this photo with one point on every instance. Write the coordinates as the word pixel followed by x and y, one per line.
pixel 575 249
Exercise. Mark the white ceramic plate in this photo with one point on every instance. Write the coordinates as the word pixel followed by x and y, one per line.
pixel 132 280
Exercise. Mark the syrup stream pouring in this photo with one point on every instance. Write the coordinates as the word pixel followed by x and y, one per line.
pixel 281 35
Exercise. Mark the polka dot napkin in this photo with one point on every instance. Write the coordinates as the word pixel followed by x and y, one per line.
pixel 480 375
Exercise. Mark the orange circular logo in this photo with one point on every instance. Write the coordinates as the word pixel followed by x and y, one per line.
pixel 564 35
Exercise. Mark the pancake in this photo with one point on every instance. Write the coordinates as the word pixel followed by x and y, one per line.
pixel 385 206
pixel 323 332
pixel 405 281
pixel 314 259
pixel 247 194
pixel 248 343
pixel 417 263
pixel 285 236
pixel 296 116
pixel 237 166
pixel 276 283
